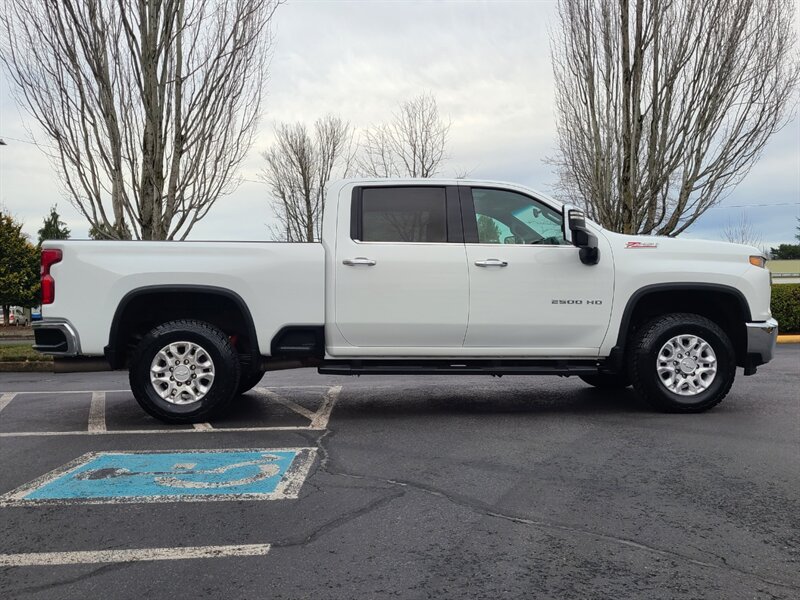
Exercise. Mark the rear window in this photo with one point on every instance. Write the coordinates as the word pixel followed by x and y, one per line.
pixel 404 214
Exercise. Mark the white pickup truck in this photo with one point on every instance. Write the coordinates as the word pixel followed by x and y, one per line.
pixel 413 277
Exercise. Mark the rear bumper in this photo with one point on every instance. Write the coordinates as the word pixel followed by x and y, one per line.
pixel 57 337
pixel 761 340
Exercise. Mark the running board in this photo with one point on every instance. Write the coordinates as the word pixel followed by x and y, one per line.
pixel 465 367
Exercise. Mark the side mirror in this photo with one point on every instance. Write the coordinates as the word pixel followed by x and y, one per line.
pixel 575 232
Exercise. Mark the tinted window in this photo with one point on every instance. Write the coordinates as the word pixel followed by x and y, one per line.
pixel 510 218
pixel 407 214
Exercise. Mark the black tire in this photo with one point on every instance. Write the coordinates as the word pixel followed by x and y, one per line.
pixel 248 381
pixel 225 366
pixel 643 364
pixel 608 381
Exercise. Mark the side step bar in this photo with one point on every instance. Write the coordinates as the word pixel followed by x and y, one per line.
pixel 466 367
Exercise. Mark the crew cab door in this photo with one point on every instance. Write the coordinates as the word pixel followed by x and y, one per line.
pixel 528 288
pixel 400 271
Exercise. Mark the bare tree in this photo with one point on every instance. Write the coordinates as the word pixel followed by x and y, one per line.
pixel 299 166
pixel 149 105
pixel 413 144
pixel 663 106
pixel 741 231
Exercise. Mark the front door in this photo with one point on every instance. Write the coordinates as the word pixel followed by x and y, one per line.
pixel 401 275
pixel 529 291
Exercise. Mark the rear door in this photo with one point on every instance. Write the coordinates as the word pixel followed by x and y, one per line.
pixel 401 274
pixel 529 290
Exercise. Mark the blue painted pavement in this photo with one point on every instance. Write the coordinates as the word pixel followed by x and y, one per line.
pixel 158 475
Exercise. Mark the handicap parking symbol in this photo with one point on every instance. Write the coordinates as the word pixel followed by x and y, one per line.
pixel 108 477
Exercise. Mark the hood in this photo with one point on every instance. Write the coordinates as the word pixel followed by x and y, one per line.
pixel 654 243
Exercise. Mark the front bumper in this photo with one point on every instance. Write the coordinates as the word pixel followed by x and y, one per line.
pixel 761 340
pixel 57 337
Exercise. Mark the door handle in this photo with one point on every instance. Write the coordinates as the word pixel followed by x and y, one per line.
pixel 491 262
pixel 358 261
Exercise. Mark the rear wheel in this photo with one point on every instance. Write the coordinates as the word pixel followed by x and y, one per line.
pixel 682 362
pixel 184 371
pixel 608 381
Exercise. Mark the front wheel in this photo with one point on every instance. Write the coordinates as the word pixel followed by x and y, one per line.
pixel 183 371
pixel 682 362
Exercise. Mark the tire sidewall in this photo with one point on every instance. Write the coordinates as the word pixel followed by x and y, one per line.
pixel 645 364
pixel 226 373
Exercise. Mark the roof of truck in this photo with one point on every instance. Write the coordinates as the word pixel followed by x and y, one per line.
pixel 386 181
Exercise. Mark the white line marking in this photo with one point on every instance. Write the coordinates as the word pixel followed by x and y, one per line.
pixel 319 419
pixel 323 415
pixel 43 392
pixel 97 413
pixel 300 410
pixel 6 434
pixel 287 489
pixel 271 387
pixel 5 399
pixel 35 559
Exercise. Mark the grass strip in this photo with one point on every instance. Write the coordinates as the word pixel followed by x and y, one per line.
pixel 21 353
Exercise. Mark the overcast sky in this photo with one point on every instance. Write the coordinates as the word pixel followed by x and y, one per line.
pixel 486 63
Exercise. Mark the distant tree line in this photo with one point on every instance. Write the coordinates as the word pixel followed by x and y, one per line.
pixel 787 251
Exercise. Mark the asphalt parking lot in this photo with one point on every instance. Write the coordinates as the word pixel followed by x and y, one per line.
pixel 392 487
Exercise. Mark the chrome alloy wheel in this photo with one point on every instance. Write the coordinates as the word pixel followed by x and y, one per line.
pixel 182 373
pixel 686 365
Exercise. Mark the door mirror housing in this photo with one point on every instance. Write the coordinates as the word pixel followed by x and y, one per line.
pixel 578 234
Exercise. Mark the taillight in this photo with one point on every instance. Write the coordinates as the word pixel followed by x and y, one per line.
pixel 50 256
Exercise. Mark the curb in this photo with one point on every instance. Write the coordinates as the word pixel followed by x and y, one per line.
pixel 38 366
pixel 789 339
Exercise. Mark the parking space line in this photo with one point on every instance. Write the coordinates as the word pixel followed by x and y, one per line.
pixel 5 434
pixel 5 399
pixel 35 559
pixel 300 410
pixel 97 413
pixel 97 420
pixel 270 387
pixel 68 391
pixel 323 415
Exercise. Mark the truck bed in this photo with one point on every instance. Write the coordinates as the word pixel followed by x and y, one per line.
pixel 281 283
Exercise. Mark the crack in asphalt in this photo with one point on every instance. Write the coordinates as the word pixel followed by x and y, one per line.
pixel 338 522
pixel 639 546
pixel 57 584
pixel 484 509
